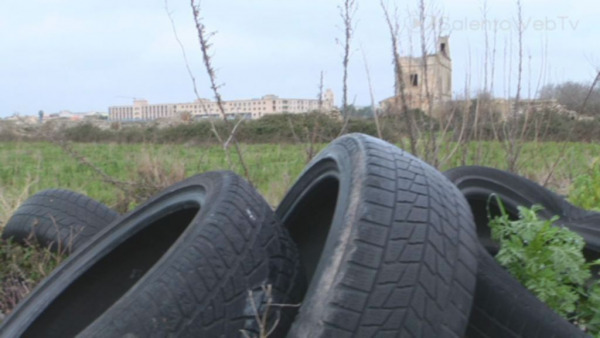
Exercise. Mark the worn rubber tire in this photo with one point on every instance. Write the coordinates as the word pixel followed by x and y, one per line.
pixel 502 306
pixel 60 219
pixel 477 183
pixel 387 243
pixel 182 264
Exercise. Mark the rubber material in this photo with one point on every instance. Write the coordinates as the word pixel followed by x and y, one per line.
pixel 477 184
pixel 182 264
pixel 387 242
pixel 502 306
pixel 60 219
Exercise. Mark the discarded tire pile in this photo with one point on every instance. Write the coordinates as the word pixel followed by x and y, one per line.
pixel 369 242
pixel 503 307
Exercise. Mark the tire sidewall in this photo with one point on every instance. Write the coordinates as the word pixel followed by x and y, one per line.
pixel 344 159
pixel 188 193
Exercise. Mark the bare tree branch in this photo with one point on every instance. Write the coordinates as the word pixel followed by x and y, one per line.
pixel 398 71
pixel 431 140
pixel 587 97
pixel 347 12
pixel 205 45
pixel 373 108
pixel 191 74
pixel 514 141
pixel 320 94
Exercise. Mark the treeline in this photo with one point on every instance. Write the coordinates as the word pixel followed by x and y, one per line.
pixel 319 128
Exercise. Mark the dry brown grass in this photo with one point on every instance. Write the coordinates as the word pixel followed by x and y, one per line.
pixel 10 199
pixel 153 174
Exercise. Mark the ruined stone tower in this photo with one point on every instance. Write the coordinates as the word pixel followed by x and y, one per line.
pixel 434 72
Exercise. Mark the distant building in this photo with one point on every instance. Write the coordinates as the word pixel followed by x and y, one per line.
pixel 61 115
pixel 203 108
pixel 69 115
pixel 141 110
pixel 439 79
pixel 23 119
pixel 505 109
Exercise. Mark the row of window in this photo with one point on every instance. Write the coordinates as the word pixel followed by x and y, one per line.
pixel 258 105
pixel 252 103
pixel 157 108
pixel 143 115
pixel 163 111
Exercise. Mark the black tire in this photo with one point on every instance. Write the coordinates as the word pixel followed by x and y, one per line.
pixel 60 219
pixel 477 183
pixel 180 265
pixel 387 243
pixel 502 306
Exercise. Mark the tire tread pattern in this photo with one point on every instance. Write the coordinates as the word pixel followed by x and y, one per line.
pixel 410 268
pixel 204 291
pixel 61 219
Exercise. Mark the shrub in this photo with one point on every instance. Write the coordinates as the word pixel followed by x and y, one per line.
pixel 549 261
pixel 87 133
pixel 585 191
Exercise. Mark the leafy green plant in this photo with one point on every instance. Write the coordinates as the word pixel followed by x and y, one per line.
pixel 548 260
pixel 585 191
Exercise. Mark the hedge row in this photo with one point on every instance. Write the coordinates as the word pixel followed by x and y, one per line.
pixel 319 128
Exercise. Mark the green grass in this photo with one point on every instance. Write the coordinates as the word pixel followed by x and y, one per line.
pixel 26 168
pixel 37 166
pixel 585 191
pixel 21 269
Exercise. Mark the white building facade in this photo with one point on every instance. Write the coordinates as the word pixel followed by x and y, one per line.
pixel 203 108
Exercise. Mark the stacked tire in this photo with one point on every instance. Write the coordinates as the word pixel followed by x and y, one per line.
pixel 194 260
pixel 369 242
pixel 59 219
pixel 388 244
pixel 503 307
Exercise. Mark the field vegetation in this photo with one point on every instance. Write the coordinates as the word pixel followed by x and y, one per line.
pixel 122 165
pixel 105 171
pixel 549 261
pixel 124 175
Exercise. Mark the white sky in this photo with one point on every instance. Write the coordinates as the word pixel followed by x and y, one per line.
pixel 84 55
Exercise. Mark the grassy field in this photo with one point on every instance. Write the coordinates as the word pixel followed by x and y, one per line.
pixel 26 168
pixel 29 167
pixel 122 176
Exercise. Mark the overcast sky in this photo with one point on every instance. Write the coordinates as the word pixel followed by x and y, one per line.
pixel 86 55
